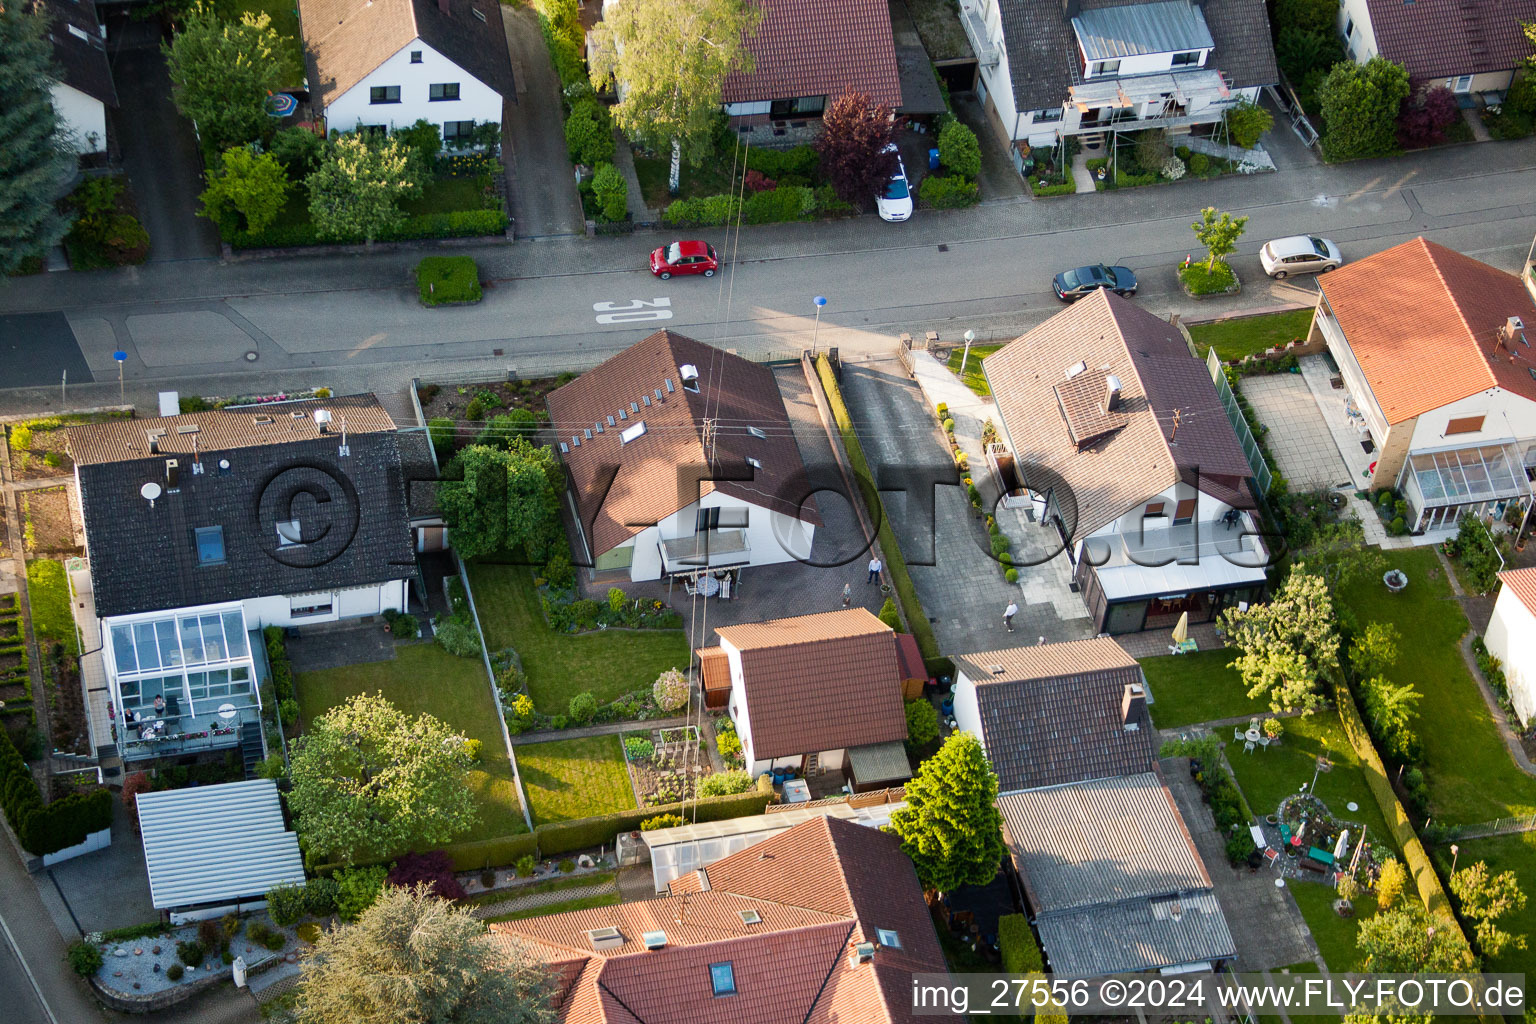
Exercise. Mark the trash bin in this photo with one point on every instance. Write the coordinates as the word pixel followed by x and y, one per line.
pixel 933 159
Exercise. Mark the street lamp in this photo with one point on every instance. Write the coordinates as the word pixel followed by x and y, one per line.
pixel 820 300
pixel 1455 850
pixel 970 336
pixel 121 358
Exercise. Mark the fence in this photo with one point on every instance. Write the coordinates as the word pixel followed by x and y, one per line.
pixel 1285 99
pixel 1261 474
pixel 1485 829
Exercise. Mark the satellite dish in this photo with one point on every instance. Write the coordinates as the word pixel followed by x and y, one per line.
pixel 150 491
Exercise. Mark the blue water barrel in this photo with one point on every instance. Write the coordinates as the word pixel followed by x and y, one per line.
pixel 933 159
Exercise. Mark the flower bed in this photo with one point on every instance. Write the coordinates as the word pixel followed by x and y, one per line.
pixel 147 962
pixel 1198 282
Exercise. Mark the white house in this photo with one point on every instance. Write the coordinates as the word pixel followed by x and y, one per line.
pixel 1116 436
pixel 385 64
pixel 202 529
pixel 84 90
pixel 1052 68
pixel 681 458
pixel 1435 350
pixel 1468 47
pixel 1511 637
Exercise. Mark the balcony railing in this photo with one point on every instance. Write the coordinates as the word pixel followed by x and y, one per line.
pixel 184 734
pixel 975 23
pixel 706 549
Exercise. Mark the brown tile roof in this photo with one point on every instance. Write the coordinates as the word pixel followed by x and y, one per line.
pixel 345 40
pixel 1521 583
pixel 1439 39
pixel 820 889
pixel 738 394
pixel 819 682
pixel 1422 322
pixel 815 48
pixel 1101 480
pixel 223 429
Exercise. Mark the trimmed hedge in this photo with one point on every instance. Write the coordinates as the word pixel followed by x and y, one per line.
pixel 1017 946
pixel 947 192
pixel 776 205
pixel 568 836
pixel 796 162
pixel 48 828
pixel 458 224
pixel 895 564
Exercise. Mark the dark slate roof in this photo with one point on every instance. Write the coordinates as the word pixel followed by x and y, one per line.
pixel 80 54
pixel 1437 39
pixel 1138 935
pixel 351 510
pixel 420 469
pixel 1041 46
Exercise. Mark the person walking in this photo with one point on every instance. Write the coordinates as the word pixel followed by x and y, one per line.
pixel 874 569
pixel 1009 613
pixel 847 594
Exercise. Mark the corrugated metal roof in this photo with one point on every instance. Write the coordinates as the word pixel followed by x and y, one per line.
pixel 213 843
pixel 1176 26
pixel 1140 935
pixel 879 762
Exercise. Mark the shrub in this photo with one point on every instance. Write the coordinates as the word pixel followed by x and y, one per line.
pixel 616 600
pixel 526 865
pixel 1214 282
pixel 1199 163
pixel 191 952
pixel 447 279
pixel 582 707
pixel 567 866
pixel 288 711
pixel 1017 947
pixel 1011 575
pixel 611 192
pixel 785 203
pixel 725 784
pixel 175 972
pixel 890 615
pixel 589 133
pixel 458 637
pixel 357 889
pixel 829 204
pixel 947 192
pixel 661 821
pixel 1422 121
pixel 1172 169
pixel 210 934
pixel 472 750
pixel 433 869
pixel 286 904
pixel 401 624
pixel 559 571
pixel 638 748
pixel 670 690
pixel 922 723
pixel 84 959
pixel 728 744
pixel 757 181
pixel 1247 122
pixel 441 432
pixel 798 163
pixel 958 149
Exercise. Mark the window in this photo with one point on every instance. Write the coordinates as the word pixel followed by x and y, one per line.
pixel 415 56
pixel 754 463
pixel 310 604
pixel 757 432
pixel 722 978
pixel 384 94
pixel 1185 512
pixel 1465 425
pixel 443 91
pixel 289 533
pixel 802 106
pixel 631 432
pixel 1461 83
pixel 1349 28
pixel 1186 60
pixel 707 519
pixel 1106 67
pixel 1155 508
pixel 751 917
pixel 458 132
pixel 889 938
pixel 210 545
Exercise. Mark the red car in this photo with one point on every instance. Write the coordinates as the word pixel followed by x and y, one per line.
pixel 684 258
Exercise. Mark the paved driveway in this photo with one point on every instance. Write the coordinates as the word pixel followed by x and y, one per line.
pixel 1298 436
pixel 542 188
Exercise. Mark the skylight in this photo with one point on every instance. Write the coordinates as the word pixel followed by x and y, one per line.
pixel 289 533
pixel 751 917
pixel 210 544
pixel 889 938
pixel 722 978
pixel 757 432
pixel 631 432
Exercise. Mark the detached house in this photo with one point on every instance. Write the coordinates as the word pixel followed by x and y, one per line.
pixel 1053 68
pixel 1118 440
pixel 1435 351
pixel 1468 46
pixel 385 64
pixel 822 923
pixel 203 528
pixel 681 461
pixel 84 89
pixel 1511 637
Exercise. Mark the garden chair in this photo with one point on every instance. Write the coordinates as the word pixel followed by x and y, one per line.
pixel 1248 746
pixel 1237 733
pixel 1264 742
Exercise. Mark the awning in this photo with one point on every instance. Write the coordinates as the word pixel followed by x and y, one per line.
pixel 879 762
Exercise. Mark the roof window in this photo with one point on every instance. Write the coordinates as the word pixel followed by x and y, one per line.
pixel 605 938
pixel 722 978
pixel 210 545
pixel 758 432
pixel 888 938
pixel 289 533
pixel 631 432
pixel 751 917
pixel 754 463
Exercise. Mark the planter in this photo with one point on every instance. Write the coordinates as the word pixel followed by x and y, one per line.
pixel 1237 286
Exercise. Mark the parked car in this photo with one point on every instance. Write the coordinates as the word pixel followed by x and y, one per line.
pixel 684 258
pixel 1299 254
pixel 1071 285
pixel 895 203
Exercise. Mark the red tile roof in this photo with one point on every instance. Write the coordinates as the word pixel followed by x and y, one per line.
pixel 820 889
pixel 1422 321
pixel 819 682
pixel 816 48
pixel 1522 583
pixel 1439 39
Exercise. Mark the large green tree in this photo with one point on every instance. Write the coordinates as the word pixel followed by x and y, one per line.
pixel 1287 643
pixel 1219 233
pixel 1391 708
pixel 356 190
pixel 505 498
pixel 253 185
pixel 1360 106
pixel 1408 941
pixel 369 781
pixel 669 61
pixel 414 957
pixel 222 73
pixel 951 827
pixel 1486 897
pixel 34 163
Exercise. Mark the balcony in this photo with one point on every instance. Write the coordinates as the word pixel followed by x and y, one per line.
pixel 184 734
pixel 706 549
pixel 975 22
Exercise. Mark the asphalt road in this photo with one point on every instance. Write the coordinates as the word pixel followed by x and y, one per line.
pixel 22 1005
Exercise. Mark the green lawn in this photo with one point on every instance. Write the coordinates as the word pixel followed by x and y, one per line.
pixel 1335 935
pixel 285 22
pixel 559 666
pixel 1199 687
pixel 972 377
pixel 711 179
pixel 48 594
pixel 445 195
pixel 606 899
pixel 424 677
pixel 1250 335
pixel 1470 773
pixel 579 778
pixel 1515 853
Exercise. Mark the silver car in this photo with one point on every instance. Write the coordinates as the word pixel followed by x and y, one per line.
pixel 1299 254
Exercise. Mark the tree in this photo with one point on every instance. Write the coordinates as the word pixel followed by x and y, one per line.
pixel 1247 122
pixel 1360 105
pixel 1218 233
pixel 356 190
pixel 1374 651
pixel 1307 15
pixel 1287 643
pixel 252 184
pixel 1390 707
pixel 958 149
pixel 611 192
pixel 222 73
pixel 414 957
pixel 951 827
pixel 1486 897
pixel 505 498
pixel 1391 883
pixel 922 723
pixel 299 151
pixel 670 690
pixel 669 62
pixel 589 133
pixel 1422 120
pixel 1339 552
pixel 1408 941
pixel 34 163
pixel 852 146
pixel 369 781
pixel 890 615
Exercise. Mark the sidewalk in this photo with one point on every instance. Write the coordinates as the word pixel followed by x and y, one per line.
pixel 624 160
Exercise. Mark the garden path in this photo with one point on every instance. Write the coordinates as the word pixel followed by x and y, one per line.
pixel 1511 741
pixel 606 729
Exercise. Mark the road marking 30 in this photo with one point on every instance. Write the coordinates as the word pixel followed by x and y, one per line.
pixel 632 311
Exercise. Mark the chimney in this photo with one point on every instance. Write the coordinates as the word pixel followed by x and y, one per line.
pixel 1513 328
pixel 172 474
pixel 863 953
pixel 1111 393
pixel 1132 704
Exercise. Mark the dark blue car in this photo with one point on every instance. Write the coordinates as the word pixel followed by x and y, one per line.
pixel 1071 285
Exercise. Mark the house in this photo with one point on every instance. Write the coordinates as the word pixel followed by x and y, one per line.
pixel 823 922
pixel 681 460
pixel 1112 879
pixel 1435 352
pixel 203 528
pixel 1056 713
pixel 1468 46
pixel 385 64
pixel 1055 68
pixel 84 89
pixel 1511 637
pixel 1116 438
pixel 817 693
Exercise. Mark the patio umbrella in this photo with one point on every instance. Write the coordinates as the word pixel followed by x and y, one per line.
pixel 1181 630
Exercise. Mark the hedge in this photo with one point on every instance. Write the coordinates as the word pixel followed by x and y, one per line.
pixel 895 564
pixel 56 826
pixel 947 192
pixel 568 836
pixel 1017 946
pixel 776 205
pixel 797 162
pixel 1067 187
pixel 458 224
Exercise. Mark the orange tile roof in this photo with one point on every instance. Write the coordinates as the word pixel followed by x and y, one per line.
pixel 1422 322
pixel 1045 661
pixel 1521 583
pixel 714 668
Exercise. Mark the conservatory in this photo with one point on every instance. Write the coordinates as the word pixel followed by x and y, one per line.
pixel 1441 485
